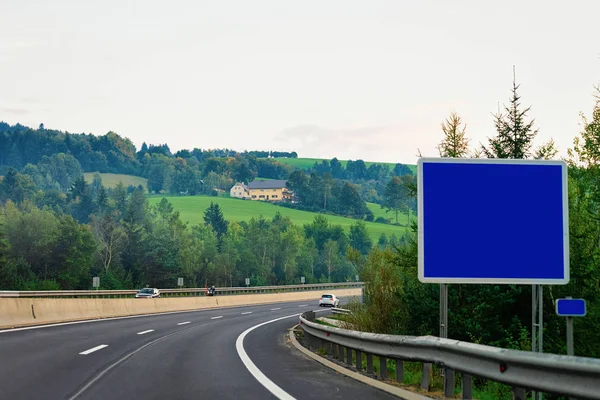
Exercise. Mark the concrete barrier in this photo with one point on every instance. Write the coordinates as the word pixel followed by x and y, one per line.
pixel 18 312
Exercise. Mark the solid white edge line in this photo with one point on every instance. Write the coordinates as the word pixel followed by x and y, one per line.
pixel 303 305
pixel 253 369
pixel 220 316
pixel 247 312
pixel 144 332
pixel 275 309
pixel 93 349
pixel 184 323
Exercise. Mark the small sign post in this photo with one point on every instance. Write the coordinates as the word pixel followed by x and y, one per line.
pixel 247 282
pixel 569 307
pixel 302 280
pixel 180 282
pixel 96 282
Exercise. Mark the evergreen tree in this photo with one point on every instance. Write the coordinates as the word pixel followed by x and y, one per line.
pixel 359 237
pixel 455 143
pixel 213 216
pixel 515 135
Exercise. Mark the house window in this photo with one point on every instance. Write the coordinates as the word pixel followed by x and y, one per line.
pixel 262 190
pixel 274 196
pixel 253 196
pixel 261 196
pixel 274 190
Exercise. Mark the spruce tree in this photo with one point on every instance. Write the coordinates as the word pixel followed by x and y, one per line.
pixel 515 135
pixel 213 216
pixel 455 143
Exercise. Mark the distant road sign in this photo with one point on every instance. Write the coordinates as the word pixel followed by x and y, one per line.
pixel 493 221
pixel 180 282
pixel 570 307
pixel 96 281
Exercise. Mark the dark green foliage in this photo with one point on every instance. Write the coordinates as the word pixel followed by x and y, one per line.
pixel 515 135
pixel 323 193
pixel 398 197
pixel 359 237
pixel 213 216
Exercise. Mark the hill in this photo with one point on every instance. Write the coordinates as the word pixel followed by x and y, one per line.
pixel 112 180
pixel 192 209
pixel 305 163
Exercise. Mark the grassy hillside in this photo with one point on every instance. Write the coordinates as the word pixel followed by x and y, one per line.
pixel 304 163
pixel 380 212
pixel 112 180
pixel 192 209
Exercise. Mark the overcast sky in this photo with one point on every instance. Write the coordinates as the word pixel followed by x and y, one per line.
pixel 354 79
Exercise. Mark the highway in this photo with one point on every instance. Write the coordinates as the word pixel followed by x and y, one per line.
pixel 188 355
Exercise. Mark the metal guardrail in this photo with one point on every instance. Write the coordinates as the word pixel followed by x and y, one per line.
pixel 336 310
pixel 179 292
pixel 550 373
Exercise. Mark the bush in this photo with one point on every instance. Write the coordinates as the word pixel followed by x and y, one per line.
pixel 384 310
pixel 381 220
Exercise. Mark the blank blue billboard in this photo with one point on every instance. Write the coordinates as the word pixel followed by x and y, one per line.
pixel 493 221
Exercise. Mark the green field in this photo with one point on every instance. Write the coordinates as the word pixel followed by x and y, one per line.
pixel 305 163
pixel 192 209
pixel 380 212
pixel 112 180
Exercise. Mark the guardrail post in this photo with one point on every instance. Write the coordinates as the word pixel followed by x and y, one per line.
pixel 426 376
pixel 348 356
pixel 399 371
pixel 340 352
pixel 383 367
pixel 467 386
pixel 358 360
pixel 518 394
pixel 449 382
pixel 369 363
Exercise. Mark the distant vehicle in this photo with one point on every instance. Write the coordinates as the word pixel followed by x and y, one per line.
pixel 211 291
pixel 329 300
pixel 148 293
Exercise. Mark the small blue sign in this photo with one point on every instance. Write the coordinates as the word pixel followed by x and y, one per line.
pixel 495 221
pixel 570 307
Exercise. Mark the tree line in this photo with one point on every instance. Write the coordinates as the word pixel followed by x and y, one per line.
pixel 51 240
pixel 50 156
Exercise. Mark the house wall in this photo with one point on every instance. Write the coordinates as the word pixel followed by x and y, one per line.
pixel 267 194
pixel 238 191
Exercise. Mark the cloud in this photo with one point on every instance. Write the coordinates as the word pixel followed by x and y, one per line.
pixel 393 143
pixel 14 111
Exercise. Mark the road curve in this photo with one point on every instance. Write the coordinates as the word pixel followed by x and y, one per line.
pixel 187 355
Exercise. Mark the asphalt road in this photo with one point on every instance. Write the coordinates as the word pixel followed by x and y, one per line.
pixel 187 355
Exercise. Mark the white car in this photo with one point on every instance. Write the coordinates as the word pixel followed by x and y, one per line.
pixel 329 300
pixel 147 293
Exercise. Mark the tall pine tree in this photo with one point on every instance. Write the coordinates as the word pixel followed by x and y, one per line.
pixel 515 135
pixel 213 216
pixel 455 143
